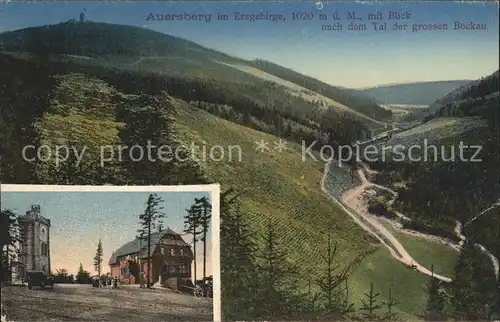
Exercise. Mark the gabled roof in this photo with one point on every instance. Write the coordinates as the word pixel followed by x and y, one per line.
pixel 134 246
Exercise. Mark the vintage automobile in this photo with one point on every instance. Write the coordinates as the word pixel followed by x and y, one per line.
pixel 95 281
pixel 206 285
pixel 203 288
pixel 39 279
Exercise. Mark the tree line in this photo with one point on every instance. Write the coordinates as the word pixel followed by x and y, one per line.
pixel 29 89
pixel 259 283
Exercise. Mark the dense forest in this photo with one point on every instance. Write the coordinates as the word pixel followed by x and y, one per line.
pixel 355 99
pixel 225 100
pixel 436 194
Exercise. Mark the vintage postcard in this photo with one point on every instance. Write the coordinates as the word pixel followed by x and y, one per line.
pixel 81 253
pixel 356 144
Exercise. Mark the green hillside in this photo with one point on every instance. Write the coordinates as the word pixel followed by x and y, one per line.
pixel 438 191
pixel 146 50
pixel 84 110
pixel 357 101
pixel 115 95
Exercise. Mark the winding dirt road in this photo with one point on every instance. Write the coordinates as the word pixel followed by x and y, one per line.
pixel 353 204
pixel 372 225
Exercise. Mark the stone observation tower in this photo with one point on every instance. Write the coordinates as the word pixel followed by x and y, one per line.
pixel 35 246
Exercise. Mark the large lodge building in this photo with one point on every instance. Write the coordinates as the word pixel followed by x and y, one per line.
pixel 171 259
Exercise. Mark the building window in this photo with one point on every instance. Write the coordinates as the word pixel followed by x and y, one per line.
pixel 44 249
pixel 182 252
pixel 124 271
pixel 172 253
pixel 162 250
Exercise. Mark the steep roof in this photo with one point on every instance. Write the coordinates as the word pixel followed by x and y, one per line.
pixel 134 246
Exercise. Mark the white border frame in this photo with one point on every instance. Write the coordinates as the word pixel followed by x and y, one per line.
pixel 213 189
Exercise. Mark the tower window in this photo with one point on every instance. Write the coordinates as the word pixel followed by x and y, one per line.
pixel 44 249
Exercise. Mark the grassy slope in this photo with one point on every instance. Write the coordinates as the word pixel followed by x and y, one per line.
pixel 274 189
pixel 279 186
pixel 428 253
pixel 406 285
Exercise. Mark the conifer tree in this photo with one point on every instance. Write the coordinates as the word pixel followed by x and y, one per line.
pixel 98 258
pixel 390 303
pixel 370 306
pixel 237 260
pixel 203 204
pixel 277 278
pixel 474 289
pixel 331 282
pixel 436 305
pixel 192 226
pixel 148 221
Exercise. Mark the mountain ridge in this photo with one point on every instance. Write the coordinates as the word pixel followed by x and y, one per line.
pixel 121 42
pixel 414 93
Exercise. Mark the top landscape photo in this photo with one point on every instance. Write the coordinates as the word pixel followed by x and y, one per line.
pixel 357 145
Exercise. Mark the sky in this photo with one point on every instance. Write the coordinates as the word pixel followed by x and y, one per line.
pixel 80 219
pixel 347 58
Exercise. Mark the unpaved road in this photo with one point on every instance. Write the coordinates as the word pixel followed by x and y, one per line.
pixel 359 213
pixel 74 302
pixel 352 199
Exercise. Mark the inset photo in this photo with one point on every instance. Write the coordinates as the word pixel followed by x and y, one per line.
pixel 127 253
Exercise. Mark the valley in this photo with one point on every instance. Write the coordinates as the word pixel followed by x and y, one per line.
pixel 398 228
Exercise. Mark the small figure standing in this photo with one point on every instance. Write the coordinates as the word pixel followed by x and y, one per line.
pixel 141 281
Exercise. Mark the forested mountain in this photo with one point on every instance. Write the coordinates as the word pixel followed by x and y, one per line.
pixel 457 192
pixel 128 47
pixel 358 101
pixel 53 102
pixel 98 39
pixel 440 192
pixel 423 93
pixel 477 98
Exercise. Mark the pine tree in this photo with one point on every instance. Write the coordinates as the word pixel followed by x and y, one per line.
pixel 436 305
pixel 192 226
pixel 98 258
pixel 148 222
pixel 371 306
pixel 205 215
pixel 277 278
pixel 82 276
pixel 10 235
pixel 237 260
pixel 390 303
pixel 474 289
pixel 331 283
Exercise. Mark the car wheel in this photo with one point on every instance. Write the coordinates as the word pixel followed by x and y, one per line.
pixel 30 286
pixel 198 291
